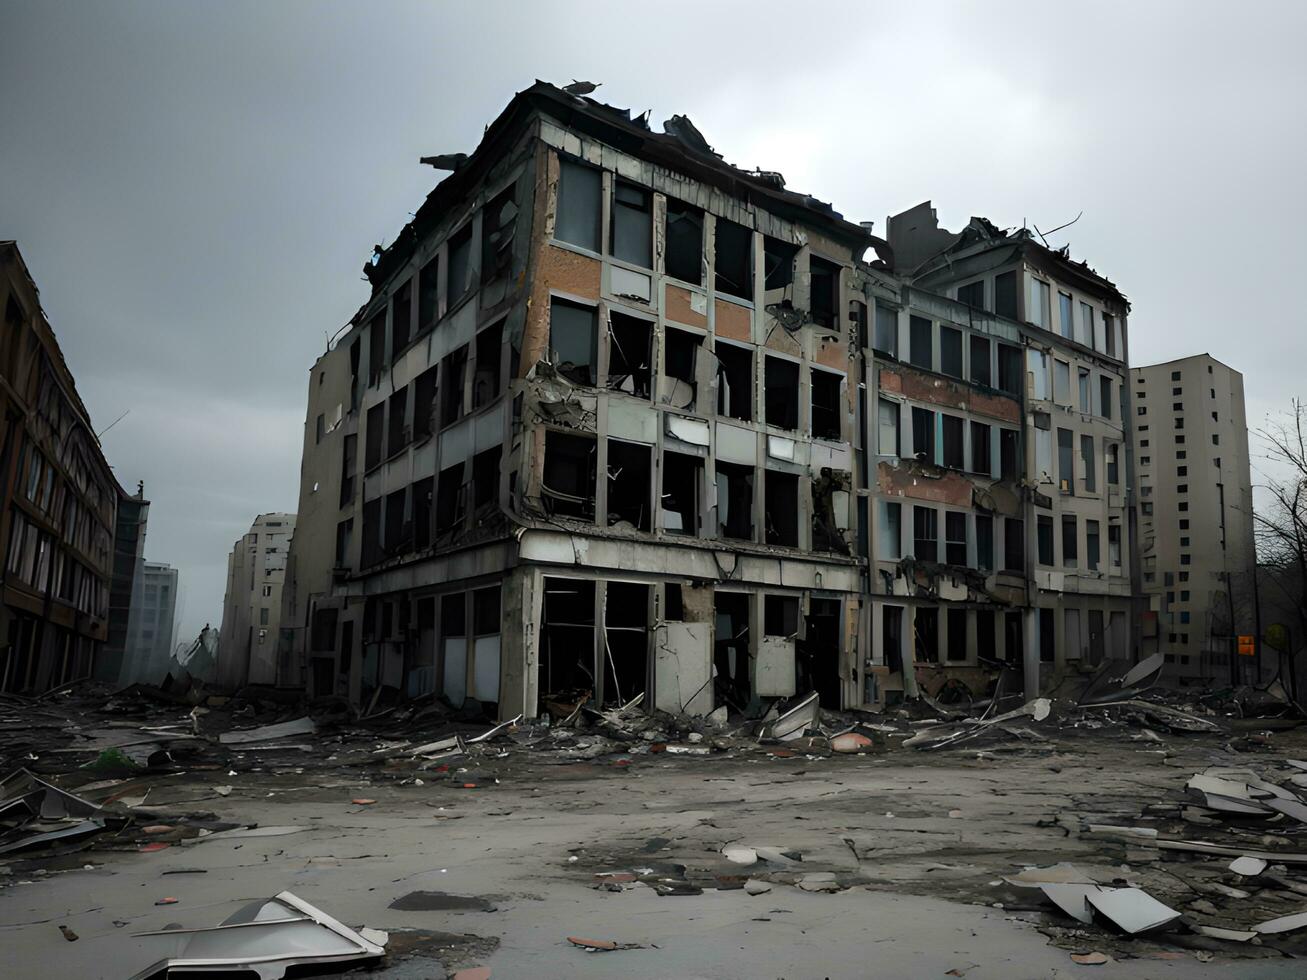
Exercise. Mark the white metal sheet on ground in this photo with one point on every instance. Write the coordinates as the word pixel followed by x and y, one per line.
pixel 1285 923
pixel 1247 866
pixel 1132 910
pixel 1071 898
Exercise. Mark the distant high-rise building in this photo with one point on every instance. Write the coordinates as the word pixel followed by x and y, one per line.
pixel 1196 552
pixel 125 586
pixel 251 611
pixel 152 625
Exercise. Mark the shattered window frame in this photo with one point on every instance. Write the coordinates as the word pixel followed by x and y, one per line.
pixel 577 325
pixel 736 486
pixel 923 435
pixel 782 501
pixel 569 475
pixel 687 469
pixel 734 360
pixel 825 412
pixel 683 248
pixel 498 232
pixel 488 382
pixel 781 388
pixel 617 468
pixel 458 267
pixel 823 291
pixel 733 259
pixel 925 533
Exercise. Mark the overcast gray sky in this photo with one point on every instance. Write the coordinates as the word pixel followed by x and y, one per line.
pixel 196 186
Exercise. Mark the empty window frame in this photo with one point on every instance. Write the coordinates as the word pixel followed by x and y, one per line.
pixel 824 387
pixel 460 258
pixel 1009 369
pixel 680 364
pixel 1037 303
pixel 424 403
pixel 1005 294
pixel 777 263
pixel 1086 398
pixel 1088 465
pixel 453 376
pixel 1044 539
pixel 981 458
pixel 632 224
pixel 684 247
pixel 682 482
pixel 498 227
pixel 887 423
pixel 451 501
pixel 573 340
pixel 781 392
pixel 1070 540
pixel 973 294
pixel 956 634
pixel 1105 396
pixel 397 429
pixel 401 317
pixel 824 280
pixel 925 533
pixel 735 501
pixel 1014 544
pixel 923 435
pixel 485 479
pixel 885 339
pixel 1114 546
pixel 1091 545
pixel 985 542
pixel 952 429
pixel 734 381
pixel 733 259
pixel 1047 635
pixel 568 480
pixel 780 615
pixel 950 352
pixel 398 531
pixel 488 380
pixel 630 479
pixel 891 530
pixel 925 624
pixel 981 370
pixel 921 344
pixel 630 355
pixel 781 498
pixel 375 445
pixel 1009 454
pixel 955 537
pixel 422 503
pixel 579 205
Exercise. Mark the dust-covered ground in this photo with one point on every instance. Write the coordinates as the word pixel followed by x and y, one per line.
pixel 881 865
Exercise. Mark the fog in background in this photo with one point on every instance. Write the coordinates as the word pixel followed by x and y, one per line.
pixel 196 187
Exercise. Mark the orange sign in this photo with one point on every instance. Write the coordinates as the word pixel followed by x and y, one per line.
pixel 1247 648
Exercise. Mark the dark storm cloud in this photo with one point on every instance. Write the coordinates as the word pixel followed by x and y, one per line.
pixel 196 186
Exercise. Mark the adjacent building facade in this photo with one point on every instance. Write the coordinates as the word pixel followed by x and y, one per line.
pixel 1196 552
pixel 248 645
pixel 126 584
pixel 152 625
pixel 59 502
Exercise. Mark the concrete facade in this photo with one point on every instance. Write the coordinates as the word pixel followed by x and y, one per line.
pixel 58 502
pixel 251 610
pixel 1196 550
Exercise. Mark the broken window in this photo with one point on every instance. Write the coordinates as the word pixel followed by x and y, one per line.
pixel 973 294
pixel 1009 369
pixel 460 255
pixel 450 500
pixel 573 341
pixel 344 534
pixel 422 503
pixel 401 315
pixel 680 364
pixel 567 637
pixel 1066 473
pixel 957 634
pixel 1013 642
pixel 630 354
pixel 1070 540
pixel 953 455
pixel 375 446
pixel 626 637
pixel 781 492
pixel 925 533
pixel 632 224
pixel 486 382
pixel 1091 545
pixel 429 295
pixel 985 542
pixel 858 322
pixel 887 420
pixel 955 537
pixel 825 389
pixel 371 532
pixel 891 531
pixel 984 632
pixel 424 403
pixel 498 226
pixel 923 435
pixel 397 431
pixel 781 392
pixel 485 479
pixel 950 352
pixel 629 481
pixel 778 263
pixel 824 280
pixel 734 381
pixel 981 461
pixel 1044 539
pixel 980 367
pixel 780 615
pixel 376 347
pixel 1047 636
pixel 349 462
pixel 568 486
pixel 674 606
pixel 886 338
pixel 731 654
pixel 684 258
pixel 733 259
pixel 579 205
pixel 925 624
pixel 735 500
pixel 1005 294
pixel 682 477
pixel 921 343
pixel 1088 464
pixel 453 371
pixel 397 530
pixel 1014 545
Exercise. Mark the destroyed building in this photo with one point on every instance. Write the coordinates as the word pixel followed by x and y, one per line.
pixel 1053 333
pixel 1196 552
pixel 593 432
pixel 60 502
pixel 605 428
pixel 249 648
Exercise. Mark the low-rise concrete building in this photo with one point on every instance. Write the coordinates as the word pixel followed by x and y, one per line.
pixel 248 645
pixel 1196 551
